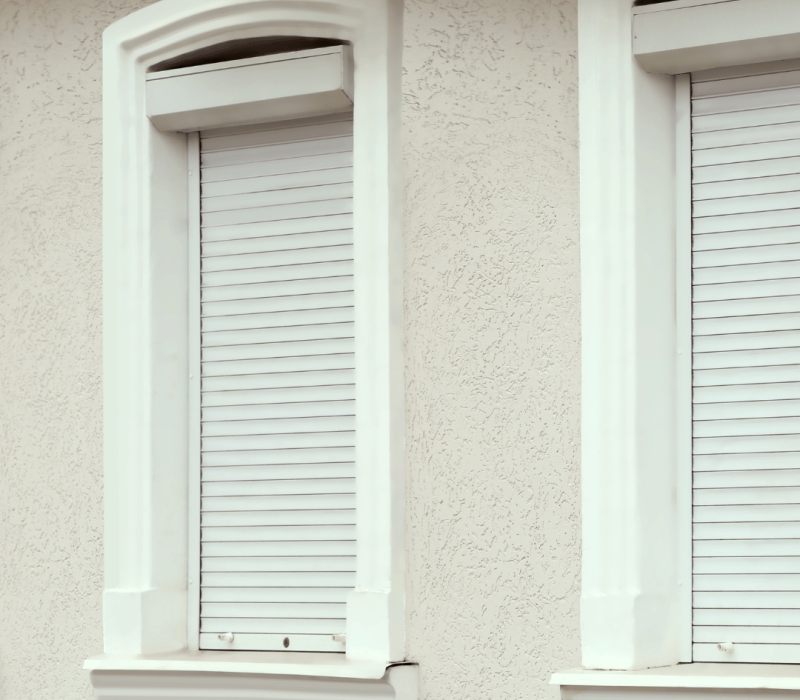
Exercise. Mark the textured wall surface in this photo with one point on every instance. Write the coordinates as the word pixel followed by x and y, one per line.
pixel 492 318
pixel 492 345
pixel 50 344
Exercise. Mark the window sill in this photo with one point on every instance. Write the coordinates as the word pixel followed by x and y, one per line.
pixel 699 675
pixel 255 662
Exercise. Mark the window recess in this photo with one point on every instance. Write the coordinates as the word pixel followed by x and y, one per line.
pixel 746 364
pixel 275 353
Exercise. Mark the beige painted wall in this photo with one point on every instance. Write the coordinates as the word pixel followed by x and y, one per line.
pixel 492 345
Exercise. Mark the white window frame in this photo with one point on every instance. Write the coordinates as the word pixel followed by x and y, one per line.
pixel 636 595
pixel 146 370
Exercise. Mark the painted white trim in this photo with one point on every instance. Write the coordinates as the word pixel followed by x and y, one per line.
pixel 193 264
pixel 685 37
pixel 396 682
pixel 633 615
pixel 146 368
pixel 683 314
pixel 701 675
pixel 309 83
pixel 629 598
pixel 274 663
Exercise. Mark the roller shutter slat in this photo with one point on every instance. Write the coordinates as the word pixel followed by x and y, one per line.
pixel 747 530
pixel 281 273
pixel 731 172
pixel 280 258
pixel 277 167
pixel 746 153
pixel 274 595
pixel 743 479
pixel 290 410
pixel 746 273
pixel 746 135
pixel 286 227
pixel 753 513
pixel 309 301
pixel 277 533
pixel 746 582
pixel 743 188
pixel 747 605
pixel 744 635
pixel 288 441
pixel 746 392
pixel 258 564
pixel 279 579
pixel 228 353
pixel 740 120
pixel 742 427
pixel 747 548
pixel 278 472
pixel 747 341
pixel 314 502
pixel 275 136
pixel 316 424
pixel 278 486
pixel 277 445
pixel 746 239
pixel 258 336
pixel 275 151
pixel 295 241
pixel 273 610
pixel 747 375
pixel 728 325
pixel 237 368
pixel 271 183
pixel 296 195
pixel 308 378
pixel 746 565
pixel 243 458
pixel 293 548
pixel 746 101
pixel 262 397
pixel 318 285
pixel 756 443
pixel 746 358
pixel 310 625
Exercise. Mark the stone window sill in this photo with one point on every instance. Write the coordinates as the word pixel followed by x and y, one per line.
pixel 700 675
pixel 268 663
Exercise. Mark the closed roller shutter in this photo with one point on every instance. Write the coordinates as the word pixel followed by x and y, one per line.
pixel 278 395
pixel 746 366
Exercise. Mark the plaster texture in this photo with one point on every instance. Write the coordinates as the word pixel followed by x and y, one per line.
pixel 491 285
pixel 492 344
pixel 51 566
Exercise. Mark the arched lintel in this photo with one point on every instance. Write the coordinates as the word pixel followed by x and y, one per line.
pixel 173 27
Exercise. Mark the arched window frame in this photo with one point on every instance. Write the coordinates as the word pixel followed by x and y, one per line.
pixel 146 376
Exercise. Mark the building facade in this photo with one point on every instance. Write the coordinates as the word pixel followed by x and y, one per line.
pixel 491 345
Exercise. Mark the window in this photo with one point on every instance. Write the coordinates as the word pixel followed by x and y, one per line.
pixel 150 601
pixel 636 610
pixel 277 397
pixel 745 281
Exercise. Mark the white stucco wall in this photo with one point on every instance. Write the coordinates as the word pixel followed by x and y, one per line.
pixel 492 344
pixel 492 319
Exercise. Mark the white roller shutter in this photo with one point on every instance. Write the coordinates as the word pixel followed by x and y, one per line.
pixel 746 366
pixel 278 396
